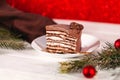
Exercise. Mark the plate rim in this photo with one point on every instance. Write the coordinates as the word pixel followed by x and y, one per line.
pixel 33 44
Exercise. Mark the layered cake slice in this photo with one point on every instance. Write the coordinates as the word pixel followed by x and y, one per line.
pixel 63 38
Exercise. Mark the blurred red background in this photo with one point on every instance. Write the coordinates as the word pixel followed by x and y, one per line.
pixel 90 10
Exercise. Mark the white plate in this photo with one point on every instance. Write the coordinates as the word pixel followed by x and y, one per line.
pixel 89 44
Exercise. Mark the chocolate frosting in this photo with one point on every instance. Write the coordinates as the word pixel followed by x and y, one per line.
pixel 29 25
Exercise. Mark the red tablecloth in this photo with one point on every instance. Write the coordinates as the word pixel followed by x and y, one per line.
pixel 92 10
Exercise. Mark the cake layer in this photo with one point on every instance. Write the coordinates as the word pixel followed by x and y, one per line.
pixel 59 48
pixel 61 45
pixel 62 50
pixel 56 32
pixel 59 39
pixel 62 42
pixel 62 35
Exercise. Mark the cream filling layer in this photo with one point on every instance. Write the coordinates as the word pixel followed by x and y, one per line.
pixel 54 38
pixel 62 42
pixel 60 38
pixel 61 45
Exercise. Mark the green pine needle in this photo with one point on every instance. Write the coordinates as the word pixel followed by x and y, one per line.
pixel 12 44
pixel 108 58
pixel 5 34
pixel 10 40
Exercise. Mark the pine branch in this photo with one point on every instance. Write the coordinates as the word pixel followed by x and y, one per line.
pixel 108 58
pixel 5 34
pixel 12 44
pixel 10 40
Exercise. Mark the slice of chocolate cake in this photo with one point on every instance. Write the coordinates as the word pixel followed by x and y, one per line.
pixel 63 38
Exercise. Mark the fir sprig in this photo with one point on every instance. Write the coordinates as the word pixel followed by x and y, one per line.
pixel 12 44
pixel 10 40
pixel 6 34
pixel 108 58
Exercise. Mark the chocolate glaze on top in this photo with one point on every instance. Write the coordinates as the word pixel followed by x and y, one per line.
pixel 74 29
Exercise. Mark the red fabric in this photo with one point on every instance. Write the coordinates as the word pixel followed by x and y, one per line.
pixel 92 10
